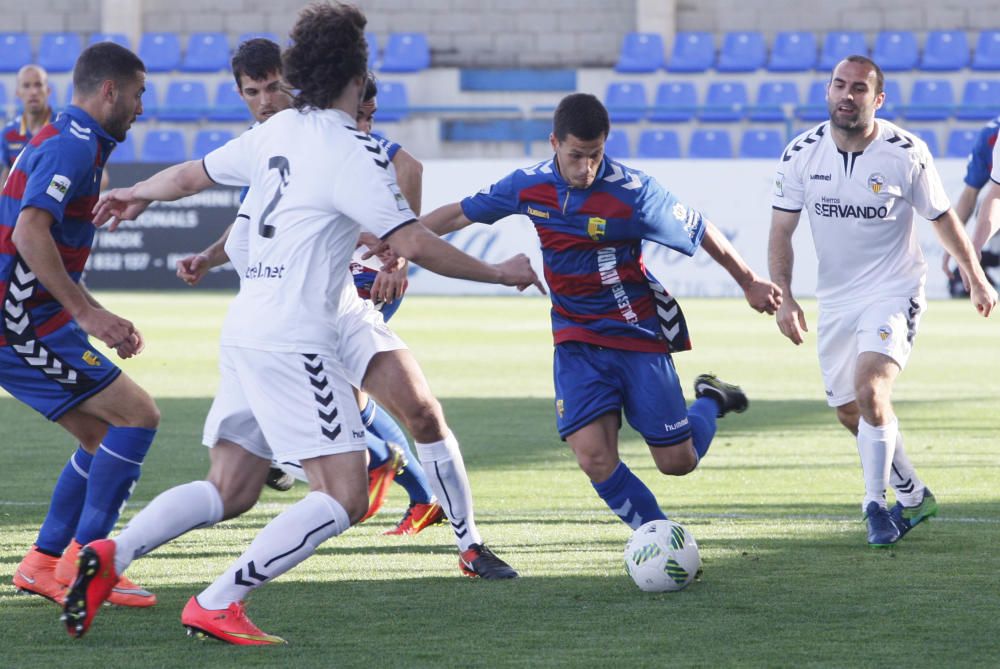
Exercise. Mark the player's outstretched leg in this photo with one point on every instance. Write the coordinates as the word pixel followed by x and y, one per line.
pixel 35 575
pixel 478 561
pixel 418 516
pixel 230 625
pixel 125 592
pixel 280 480
pixel 882 532
pixel 385 461
pixel 95 578
pixel 906 518
pixel 729 397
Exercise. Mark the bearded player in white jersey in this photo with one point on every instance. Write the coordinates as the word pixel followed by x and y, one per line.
pixel 860 182
pixel 297 337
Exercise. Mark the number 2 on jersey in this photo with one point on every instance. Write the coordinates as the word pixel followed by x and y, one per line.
pixel 279 163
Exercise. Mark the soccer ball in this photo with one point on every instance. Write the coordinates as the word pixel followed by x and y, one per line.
pixel 662 556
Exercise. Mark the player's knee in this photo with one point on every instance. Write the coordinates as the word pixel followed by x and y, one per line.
pixel 848 417
pixel 140 411
pixel 356 508
pixel 425 420
pixel 676 460
pixel 597 466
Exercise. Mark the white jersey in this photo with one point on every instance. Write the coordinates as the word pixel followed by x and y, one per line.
pixel 860 208
pixel 995 169
pixel 315 180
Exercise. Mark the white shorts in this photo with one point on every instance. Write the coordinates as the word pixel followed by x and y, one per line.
pixel 887 326
pixel 284 406
pixel 363 333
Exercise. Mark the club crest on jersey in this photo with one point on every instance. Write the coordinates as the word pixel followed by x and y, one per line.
pixel 876 181
pixel 91 359
pixel 559 408
pixel 596 228
pixel 884 332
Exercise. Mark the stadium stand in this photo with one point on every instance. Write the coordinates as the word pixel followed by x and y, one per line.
pixel 161 52
pixel 710 144
pixel 125 151
pixel 208 140
pixel 987 55
pixel 120 39
pixel 617 145
pixel 692 52
pixel 896 51
pixel 894 103
pixel 761 143
pixel 372 40
pixel 228 105
pixel 658 144
pixel 725 102
pixel 263 34
pixel 15 51
pixel 980 100
pixel 3 102
pixel 406 52
pixel 814 108
pixel 186 101
pixel 150 102
pixel 945 50
pixel 393 101
pixel 57 52
pixel 742 52
pixel 641 52
pixel 931 100
pixel 206 52
pixel 960 141
pixel 163 146
pixel 929 137
pixel 626 101
pixel 676 102
pixel 839 45
pixel 793 52
pixel 775 99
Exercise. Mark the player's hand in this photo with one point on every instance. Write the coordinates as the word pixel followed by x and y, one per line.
pixel 516 271
pixel 110 329
pixel 984 297
pixel 192 268
pixel 117 205
pixel 791 320
pixel 133 346
pixel 946 264
pixel 762 295
pixel 390 286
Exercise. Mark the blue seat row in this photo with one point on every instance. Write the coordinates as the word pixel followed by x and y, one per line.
pixel 775 101
pixel 764 143
pixel 169 146
pixel 204 52
pixel 799 51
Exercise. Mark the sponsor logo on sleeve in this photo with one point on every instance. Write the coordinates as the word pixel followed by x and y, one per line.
pixel 779 183
pixel 58 187
pixel 397 194
pixel 537 213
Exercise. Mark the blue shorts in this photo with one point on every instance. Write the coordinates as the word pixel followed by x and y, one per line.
pixel 592 381
pixel 363 284
pixel 54 373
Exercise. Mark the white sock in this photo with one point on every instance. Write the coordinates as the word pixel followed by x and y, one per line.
pixel 283 543
pixel 172 513
pixel 442 460
pixel 875 446
pixel 903 476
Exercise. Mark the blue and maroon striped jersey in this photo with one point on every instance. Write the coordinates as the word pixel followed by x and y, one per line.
pixel 601 292
pixel 977 171
pixel 58 171
pixel 14 137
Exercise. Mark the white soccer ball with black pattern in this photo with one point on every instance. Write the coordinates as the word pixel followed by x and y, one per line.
pixel 662 556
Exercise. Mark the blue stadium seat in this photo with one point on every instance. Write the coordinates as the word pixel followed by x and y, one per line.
pixel 675 102
pixel 725 102
pixel 960 142
pixel 815 108
pixel 945 51
pixel 773 98
pixel 150 102
pixel 658 144
pixel 69 95
pixel 121 39
pixel 261 34
pixel 163 146
pixel 228 105
pixel 616 145
pixel 931 100
pixel 406 52
pixel 692 52
pixel 206 141
pixel 15 51
pixel 626 101
pixel 393 101
pixel 894 103
pixel 125 151
pixel 161 52
pixel 710 144
pixel 641 52
pixel 839 45
pixel 980 100
pixel 896 50
pixel 206 52
pixel 372 40
pixel 57 52
pixel 793 52
pixel 742 52
pixel 761 143
pixel 930 138
pixel 987 56
pixel 3 102
pixel 186 100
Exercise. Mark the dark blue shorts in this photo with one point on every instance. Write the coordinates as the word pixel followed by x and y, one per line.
pixel 592 381
pixel 54 373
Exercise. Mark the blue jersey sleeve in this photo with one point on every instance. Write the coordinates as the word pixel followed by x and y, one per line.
pixel 58 170
pixel 666 220
pixel 391 147
pixel 493 203
pixel 5 152
pixel 977 171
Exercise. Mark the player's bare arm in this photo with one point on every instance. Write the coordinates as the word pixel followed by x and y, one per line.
pixel 133 345
pixel 390 283
pixel 441 221
pixel 761 294
pixel 410 177
pixel 33 239
pixel 193 268
pixel 963 209
pixel 952 235
pixel 780 258
pixel 173 183
pixel 988 221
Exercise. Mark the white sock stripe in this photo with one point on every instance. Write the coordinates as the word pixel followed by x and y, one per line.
pixel 77 468
pixel 120 457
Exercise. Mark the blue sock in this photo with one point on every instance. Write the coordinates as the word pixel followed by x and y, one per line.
pixel 701 415
pixel 629 497
pixel 413 478
pixel 67 503
pixel 113 475
pixel 378 451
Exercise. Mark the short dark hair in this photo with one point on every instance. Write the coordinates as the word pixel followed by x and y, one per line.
pixel 103 61
pixel 371 87
pixel 256 58
pixel 581 115
pixel 328 50
pixel 865 60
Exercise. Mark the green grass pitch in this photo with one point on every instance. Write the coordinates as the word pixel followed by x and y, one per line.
pixel 788 580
